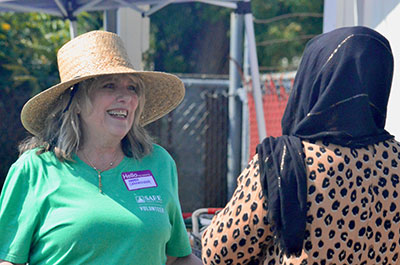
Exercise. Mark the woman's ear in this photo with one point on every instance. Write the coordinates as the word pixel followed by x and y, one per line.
pixel 78 108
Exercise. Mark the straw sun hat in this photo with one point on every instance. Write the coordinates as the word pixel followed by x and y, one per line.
pixel 99 53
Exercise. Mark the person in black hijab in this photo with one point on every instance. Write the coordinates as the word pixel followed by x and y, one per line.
pixel 340 95
pixel 339 102
pixel 341 89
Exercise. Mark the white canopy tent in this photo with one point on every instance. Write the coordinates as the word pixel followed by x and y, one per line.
pixel 384 17
pixel 69 9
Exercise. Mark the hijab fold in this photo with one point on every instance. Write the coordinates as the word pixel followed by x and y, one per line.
pixel 340 96
pixel 283 176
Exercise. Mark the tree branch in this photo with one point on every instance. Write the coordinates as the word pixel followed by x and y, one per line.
pixel 276 41
pixel 286 16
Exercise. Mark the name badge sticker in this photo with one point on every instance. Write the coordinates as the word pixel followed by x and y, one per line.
pixel 137 180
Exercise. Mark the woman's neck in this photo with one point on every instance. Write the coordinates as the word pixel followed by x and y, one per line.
pixel 101 157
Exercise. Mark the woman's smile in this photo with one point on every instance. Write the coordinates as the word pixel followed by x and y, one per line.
pixel 118 113
pixel 113 104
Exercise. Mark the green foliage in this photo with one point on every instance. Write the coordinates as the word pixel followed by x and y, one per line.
pixel 281 42
pixel 28 46
pixel 179 31
pixel 180 36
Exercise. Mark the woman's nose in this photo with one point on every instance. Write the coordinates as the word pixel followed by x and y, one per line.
pixel 123 94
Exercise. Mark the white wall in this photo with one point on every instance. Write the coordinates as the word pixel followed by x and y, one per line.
pixel 384 17
pixel 134 30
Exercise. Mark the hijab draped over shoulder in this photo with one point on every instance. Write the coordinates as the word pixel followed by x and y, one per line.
pixel 340 96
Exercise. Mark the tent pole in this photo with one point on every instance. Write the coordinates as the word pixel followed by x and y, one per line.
pixel 355 13
pixel 255 75
pixel 234 104
pixel 245 109
pixel 73 31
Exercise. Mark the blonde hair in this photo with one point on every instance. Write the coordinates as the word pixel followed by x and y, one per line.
pixel 62 133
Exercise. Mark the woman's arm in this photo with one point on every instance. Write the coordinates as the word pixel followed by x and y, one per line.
pixel 239 233
pixel 188 260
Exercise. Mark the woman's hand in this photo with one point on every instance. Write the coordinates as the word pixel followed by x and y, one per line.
pixel 188 260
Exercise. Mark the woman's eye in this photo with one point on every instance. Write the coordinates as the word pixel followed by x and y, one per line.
pixel 109 85
pixel 133 88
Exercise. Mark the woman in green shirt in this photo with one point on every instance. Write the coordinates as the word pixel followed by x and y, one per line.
pixel 90 187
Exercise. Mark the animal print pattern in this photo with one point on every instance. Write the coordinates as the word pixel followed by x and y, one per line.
pixel 352 218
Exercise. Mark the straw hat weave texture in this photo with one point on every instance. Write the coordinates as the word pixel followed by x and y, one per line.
pixel 99 53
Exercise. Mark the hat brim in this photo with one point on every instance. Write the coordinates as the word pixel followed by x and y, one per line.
pixel 163 93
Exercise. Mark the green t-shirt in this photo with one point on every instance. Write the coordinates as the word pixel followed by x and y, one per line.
pixel 53 212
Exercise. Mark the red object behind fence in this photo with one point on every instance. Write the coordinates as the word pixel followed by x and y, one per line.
pixel 274 104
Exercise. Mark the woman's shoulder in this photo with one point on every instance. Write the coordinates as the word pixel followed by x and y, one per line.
pixel 25 170
pixel 158 155
pixel 311 145
pixel 160 151
pixel 29 156
pixel 158 148
pixel 390 143
pixel 34 157
pixel 329 154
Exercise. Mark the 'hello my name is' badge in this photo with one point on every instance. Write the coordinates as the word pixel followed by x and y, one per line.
pixel 137 180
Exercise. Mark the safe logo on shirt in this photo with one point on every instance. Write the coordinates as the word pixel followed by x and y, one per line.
pixel 137 180
pixel 149 199
pixel 150 203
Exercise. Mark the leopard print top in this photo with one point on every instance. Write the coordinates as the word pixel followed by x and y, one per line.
pixel 353 211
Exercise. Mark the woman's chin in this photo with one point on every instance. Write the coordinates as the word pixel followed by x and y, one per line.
pixel 117 134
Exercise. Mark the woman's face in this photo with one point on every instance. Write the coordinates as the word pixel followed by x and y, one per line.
pixel 114 100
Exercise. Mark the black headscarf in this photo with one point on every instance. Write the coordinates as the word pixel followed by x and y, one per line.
pixel 340 95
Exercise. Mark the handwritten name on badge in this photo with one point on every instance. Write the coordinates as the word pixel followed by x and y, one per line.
pixel 137 180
